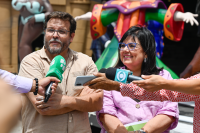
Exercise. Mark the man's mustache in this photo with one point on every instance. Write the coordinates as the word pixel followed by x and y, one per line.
pixel 55 40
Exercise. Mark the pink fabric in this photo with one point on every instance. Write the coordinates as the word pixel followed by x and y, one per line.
pixel 125 108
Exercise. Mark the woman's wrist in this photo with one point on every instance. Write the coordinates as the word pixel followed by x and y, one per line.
pixel 167 84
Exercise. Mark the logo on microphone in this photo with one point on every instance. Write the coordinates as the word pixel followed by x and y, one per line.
pixel 53 61
pixel 63 64
pixel 121 76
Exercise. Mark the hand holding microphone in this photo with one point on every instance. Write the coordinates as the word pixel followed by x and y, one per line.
pixel 121 75
pixel 110 80
pixel 57 67
pixel 43 83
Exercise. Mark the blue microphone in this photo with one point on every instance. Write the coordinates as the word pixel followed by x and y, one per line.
pixel 121 75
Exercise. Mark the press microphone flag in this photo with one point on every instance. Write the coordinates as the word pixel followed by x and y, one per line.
pixel 121 75
pixel 57 68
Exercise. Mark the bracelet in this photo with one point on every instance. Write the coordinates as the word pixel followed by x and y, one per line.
pixel 36 86
pixel 39 17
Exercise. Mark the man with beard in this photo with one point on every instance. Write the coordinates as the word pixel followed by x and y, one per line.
pixel 66 110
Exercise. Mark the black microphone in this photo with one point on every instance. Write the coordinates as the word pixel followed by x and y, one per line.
pixel 121 75
pixel 102 70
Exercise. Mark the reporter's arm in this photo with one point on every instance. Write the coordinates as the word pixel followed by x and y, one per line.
pixel 154 82
pixel 112 124
pixel 191 86
pixel 10 106
pixel 20 84
pixel 158 124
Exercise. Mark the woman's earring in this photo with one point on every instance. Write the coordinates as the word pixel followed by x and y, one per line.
pixel 145 60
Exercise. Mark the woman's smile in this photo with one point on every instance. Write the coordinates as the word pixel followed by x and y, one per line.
pixel 128 56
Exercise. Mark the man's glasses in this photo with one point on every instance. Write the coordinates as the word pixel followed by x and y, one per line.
pixel 131 46
pixel 60 33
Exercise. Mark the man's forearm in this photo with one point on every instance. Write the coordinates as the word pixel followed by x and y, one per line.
pixel 88 103
pixel 56 112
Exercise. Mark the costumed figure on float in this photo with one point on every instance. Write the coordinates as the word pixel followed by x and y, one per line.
pixel 32 16
pixel 128 13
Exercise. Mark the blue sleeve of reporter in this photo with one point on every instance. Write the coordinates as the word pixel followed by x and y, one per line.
pixel 20 84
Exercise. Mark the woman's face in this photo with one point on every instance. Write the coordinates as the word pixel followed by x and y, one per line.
pixel 133 59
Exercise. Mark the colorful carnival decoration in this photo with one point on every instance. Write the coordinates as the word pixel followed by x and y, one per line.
pixel 32 17
pixel 157 29
pixel 127 13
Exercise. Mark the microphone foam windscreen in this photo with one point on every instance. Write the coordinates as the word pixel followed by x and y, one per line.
pixel 110 73
pixel 102 70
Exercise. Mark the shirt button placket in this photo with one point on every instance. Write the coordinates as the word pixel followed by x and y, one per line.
pixel 137 106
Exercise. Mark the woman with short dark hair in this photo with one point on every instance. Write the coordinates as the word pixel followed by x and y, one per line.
pixel 137 52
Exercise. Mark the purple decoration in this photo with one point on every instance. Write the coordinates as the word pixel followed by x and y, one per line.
pixel 158 4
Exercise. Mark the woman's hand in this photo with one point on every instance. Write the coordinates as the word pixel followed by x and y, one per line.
pixel 112 124
pixel 158 124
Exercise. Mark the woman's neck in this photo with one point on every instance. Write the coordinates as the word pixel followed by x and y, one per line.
pixel 136 72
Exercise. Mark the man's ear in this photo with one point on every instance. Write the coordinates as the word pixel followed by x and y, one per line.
pixel 72 36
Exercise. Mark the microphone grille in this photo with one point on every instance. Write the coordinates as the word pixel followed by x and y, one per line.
pixel 110 73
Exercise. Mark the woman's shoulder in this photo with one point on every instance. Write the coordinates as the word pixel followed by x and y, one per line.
pixel 165 74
